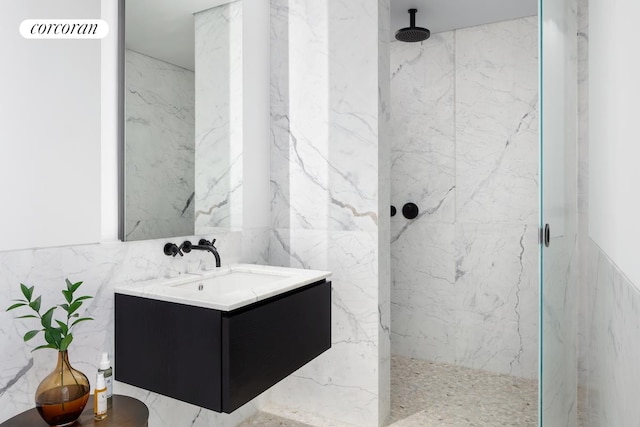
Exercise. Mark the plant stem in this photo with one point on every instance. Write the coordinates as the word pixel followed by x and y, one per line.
pixel 63 355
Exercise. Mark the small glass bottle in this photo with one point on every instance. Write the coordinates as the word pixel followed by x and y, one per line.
pixel 107 371
pixel 100 398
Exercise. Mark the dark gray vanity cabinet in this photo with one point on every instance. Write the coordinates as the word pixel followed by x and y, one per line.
pixel 214 359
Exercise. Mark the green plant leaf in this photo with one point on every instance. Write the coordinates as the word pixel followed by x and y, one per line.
pixel 68 295
pixel 40 347
pixel 48 337
pixel 65 342
pixel 46 318
pixel 53 336
pixel 58 337
pixel 27 316
pixel 30 335
pixel 63 327
pixel 73 307
pixel 82 319
pixel 35 304
pixel 75 286
pixel 20 304
pixel 27 292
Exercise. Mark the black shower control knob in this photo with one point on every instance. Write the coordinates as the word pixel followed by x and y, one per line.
pixel 393 210
pixel 410 210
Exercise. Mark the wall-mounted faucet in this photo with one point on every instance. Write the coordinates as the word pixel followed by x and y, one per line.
pixel 203 245
pixel 171 249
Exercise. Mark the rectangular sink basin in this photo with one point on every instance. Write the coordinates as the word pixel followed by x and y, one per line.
pixel 226 288
pixel 230 281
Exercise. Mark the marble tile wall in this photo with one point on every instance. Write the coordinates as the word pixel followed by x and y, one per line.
pixel 464 149
pixel 328 178
pixel 102 267
pixel 159 129
pixel 497 123
pixel 609 360
pixel 218 123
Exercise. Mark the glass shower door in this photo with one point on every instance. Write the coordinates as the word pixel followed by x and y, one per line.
pixel 558 176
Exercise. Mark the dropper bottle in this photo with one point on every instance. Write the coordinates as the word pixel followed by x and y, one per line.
pixel 107 371
pixel 100 398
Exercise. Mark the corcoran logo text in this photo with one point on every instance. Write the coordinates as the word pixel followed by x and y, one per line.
pixel 64 28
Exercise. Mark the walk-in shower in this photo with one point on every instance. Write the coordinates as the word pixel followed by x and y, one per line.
pixel 489 161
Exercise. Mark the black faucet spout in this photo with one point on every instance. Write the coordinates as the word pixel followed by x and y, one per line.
pixel 203 245
pixel 211 249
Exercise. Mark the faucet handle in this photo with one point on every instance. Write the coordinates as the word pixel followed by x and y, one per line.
pixel 171 249
pixel 205 242
pixel 186 246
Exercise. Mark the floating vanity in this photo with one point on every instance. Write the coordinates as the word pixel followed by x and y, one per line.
pixel 219 339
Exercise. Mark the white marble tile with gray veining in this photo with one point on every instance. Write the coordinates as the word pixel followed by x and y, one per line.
pixel 497 298
pixel 299 115
pixel 316 183
pixel 353 114
pixel 612 344
pixel 422 126
pixel 423 293
pixel 159 149
pixel 219 118
pixel 497 123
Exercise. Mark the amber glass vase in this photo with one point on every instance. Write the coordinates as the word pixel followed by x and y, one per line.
pixel 63 394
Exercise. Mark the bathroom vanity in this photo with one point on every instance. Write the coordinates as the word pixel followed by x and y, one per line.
pixel 219 339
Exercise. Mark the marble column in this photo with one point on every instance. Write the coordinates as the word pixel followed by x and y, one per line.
pixel 219 121
pixel 329 164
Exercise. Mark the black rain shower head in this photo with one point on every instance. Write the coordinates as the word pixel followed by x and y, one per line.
pixel 412 33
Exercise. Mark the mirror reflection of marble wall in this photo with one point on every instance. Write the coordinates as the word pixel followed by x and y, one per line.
pixel 183 131
pixel 159 154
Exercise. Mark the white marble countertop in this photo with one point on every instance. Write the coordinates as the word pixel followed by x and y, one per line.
pixel 226 288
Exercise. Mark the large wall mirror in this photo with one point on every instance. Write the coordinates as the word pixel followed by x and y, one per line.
pixel 182 117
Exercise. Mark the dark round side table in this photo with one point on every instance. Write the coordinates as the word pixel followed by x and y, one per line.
pixel 126 412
